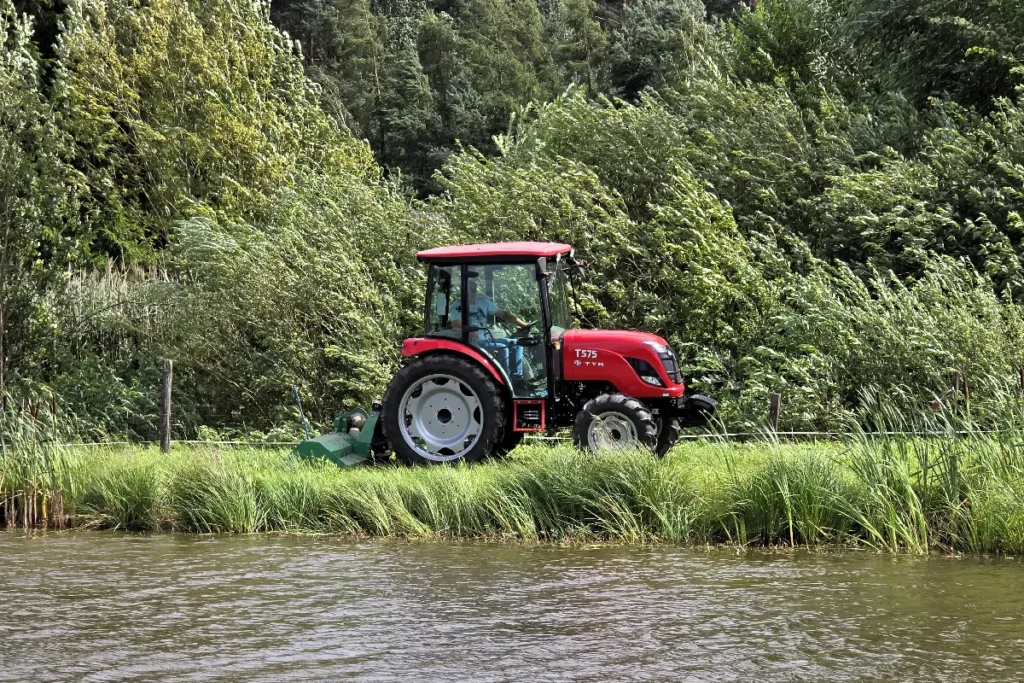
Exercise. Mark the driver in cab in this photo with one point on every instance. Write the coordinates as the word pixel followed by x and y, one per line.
pixel 505 350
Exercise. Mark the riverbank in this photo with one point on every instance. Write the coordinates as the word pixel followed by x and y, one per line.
pixel 897 494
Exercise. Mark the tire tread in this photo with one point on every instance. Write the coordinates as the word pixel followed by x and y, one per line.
pixel 647 428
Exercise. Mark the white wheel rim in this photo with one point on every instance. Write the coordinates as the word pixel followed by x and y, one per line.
pixel 610 432
pixel 440 418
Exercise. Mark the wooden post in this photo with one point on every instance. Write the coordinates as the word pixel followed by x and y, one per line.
pixel 165 408
pixel 878 399
pixel 774 410
pixel 1021 371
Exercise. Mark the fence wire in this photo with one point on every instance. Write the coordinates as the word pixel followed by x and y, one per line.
pixel 709 436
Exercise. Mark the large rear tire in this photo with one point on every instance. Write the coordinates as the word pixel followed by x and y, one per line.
pixel 442 408
pixel 614 422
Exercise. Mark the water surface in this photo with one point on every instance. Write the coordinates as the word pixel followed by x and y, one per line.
pixel 105 607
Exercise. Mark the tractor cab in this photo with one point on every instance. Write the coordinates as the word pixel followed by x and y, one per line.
pixel 509 303
pixel 499 357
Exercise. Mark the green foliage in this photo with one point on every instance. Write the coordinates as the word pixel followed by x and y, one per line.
pixel 579 43
pixel 795 42
pixel 296 302
pixel 657 45
pixel 134 82
pixel 700 233
pixel 343 49
pixel 807 197
pixel 969 50
pixel 38 193
pixel 194 127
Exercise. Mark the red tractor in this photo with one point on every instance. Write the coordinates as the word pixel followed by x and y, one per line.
pixel 499 359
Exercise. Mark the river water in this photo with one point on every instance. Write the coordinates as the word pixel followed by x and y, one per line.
pixel 106 607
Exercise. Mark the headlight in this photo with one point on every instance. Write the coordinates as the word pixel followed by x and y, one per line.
pixel 668 360
pixel 658 347
pixel 645 371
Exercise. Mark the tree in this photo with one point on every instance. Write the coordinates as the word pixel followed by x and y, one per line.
pixel 968 49
pixel 580 44
pixel 509 62
pixel 37 193
pixel 406 118
pixel 660 40
pixel 458 103
pixel 343 49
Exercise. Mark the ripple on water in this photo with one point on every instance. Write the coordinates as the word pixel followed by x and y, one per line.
pixel 106 607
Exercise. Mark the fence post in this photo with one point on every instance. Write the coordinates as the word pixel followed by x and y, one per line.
pixel 165 408
pixel 1021 371
pixel 774 410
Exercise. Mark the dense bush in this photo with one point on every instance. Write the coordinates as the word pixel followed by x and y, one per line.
pixel 251 239
pixel 794 206
pixel 753 311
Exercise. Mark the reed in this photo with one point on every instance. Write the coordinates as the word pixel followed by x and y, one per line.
pixel 34 478
pixel 901 493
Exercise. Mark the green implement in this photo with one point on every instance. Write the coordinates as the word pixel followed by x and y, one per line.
pixel 356 435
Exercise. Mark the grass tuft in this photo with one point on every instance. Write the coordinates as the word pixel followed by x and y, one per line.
pixel 899 493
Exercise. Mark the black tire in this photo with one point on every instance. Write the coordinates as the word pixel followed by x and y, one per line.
pixel 508 443
pixel 668 436
pixel 697 411
pixel 603 406
pixel 492 405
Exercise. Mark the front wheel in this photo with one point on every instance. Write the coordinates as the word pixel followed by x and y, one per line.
pixel 442 408
pixel 668 435
pixel 614 422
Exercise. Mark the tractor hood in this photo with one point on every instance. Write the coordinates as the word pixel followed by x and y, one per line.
pixel 622 358
pixel 620 341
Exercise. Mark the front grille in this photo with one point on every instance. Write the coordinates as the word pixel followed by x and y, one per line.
pixel 668 360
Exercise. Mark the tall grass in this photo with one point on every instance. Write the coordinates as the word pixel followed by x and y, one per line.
pixel 898 493
pixel 34 471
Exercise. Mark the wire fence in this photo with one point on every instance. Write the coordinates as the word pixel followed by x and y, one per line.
pixel 765 435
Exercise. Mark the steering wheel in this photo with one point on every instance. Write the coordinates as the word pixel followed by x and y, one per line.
pixel 524 331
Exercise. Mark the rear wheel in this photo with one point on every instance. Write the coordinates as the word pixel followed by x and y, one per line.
pixel 442 408
pixel 615 422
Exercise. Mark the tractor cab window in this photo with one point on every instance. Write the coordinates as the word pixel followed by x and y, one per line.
pixel 504 314
pixel 444 291
pixel 558 297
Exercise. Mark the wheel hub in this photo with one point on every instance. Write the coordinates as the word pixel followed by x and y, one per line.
pixel 611 431
pixel 440 418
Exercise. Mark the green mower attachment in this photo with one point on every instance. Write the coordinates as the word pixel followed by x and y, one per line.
pixel 351 443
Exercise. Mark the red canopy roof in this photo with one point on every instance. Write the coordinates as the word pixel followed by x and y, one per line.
pixel 499 251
